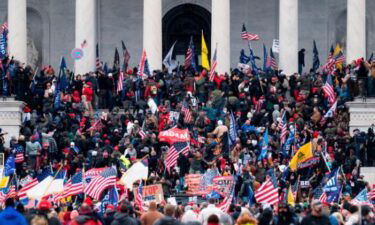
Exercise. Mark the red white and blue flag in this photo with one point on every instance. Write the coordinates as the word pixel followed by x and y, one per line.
pixel 225 204
pixel 74 186
pixel 329 90
pixel 138 201
pixel 267 193
pixel 144 69
pixel 283 126
pixel 126 56
pixel 247 36
pixel 187 113
pixel 329 114
pixel 99 183
pixel 174 151
pixel 190 57
pixel 213 66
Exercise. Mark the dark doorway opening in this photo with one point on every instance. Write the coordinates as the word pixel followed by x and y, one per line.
pixel 181 23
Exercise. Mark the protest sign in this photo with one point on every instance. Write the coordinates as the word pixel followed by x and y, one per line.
pixel 223 184
pixel 152 193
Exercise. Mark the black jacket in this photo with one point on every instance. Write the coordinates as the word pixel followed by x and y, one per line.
pixel 124 218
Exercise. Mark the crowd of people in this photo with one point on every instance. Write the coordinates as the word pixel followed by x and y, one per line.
pixel 247 124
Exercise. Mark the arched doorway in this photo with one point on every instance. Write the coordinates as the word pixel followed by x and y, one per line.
pixel 182 22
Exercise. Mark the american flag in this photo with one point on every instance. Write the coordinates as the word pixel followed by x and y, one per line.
pixel 225 204
pixel 101 182
pixel 284 128
pixel 119 82
pixel 8 192
pixel 267 193
pixel 247 36
pixel 213 66
pixel 340 57
pixel 142 133
pixel 96 126
pixel 174 151
pixel 319 194
pixel 126 56
pixel 330 61
pixel 19 154
pixel 328 89
pixel 371 194
pixel 138 201
pixel 143 65
pixel 45 173
pixel 273 60
pixel 329 113
pixel 259 103
pixel 98 64
pixel 74 186
pixel 4 26
pixel 187 113
pixel 189 58
pixel 361 199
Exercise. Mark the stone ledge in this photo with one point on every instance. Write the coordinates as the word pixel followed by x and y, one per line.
pixel 362 114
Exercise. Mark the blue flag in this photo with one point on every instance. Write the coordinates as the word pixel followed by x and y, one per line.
pixel 250 195
pixel 288 143
pixel 316 62
pixel 332 187
pixel 3 41
pixel 264 58
pixel 252 60
pixel 263 153
pixel 10 166
pixel 62 82
pixel 111 198
pixel 244 59
pixel 232 130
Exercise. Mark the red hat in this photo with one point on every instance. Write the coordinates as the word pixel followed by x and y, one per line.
pixel 88 83
pixel 130 71
pixel 107 142
pixel 204 72
pixel 66 151
pixel 315 134
pixel 111 207
pixel 45 205
pixel 88 201
pixel 116 148
pixel 105 135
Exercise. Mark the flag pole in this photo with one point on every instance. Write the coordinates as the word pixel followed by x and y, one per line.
pixel 54 177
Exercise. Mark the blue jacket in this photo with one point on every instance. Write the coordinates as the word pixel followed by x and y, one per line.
pixel 11 216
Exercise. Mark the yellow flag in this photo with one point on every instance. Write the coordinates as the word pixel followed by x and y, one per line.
pixel 304 153
pixel 291 199
pixel 204 54
pixel 337 52
pixel 4 182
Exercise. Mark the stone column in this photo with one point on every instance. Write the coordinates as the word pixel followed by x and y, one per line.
pixel 288 36
pixel 356 30
pixel 152 36
pixel 220 34
pixel 17 30
pixel 10 118
pixel 86 31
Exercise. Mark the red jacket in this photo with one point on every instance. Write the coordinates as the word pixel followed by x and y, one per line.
pixel 89 93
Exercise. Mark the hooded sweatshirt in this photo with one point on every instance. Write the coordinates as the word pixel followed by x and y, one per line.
pixel 11 216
